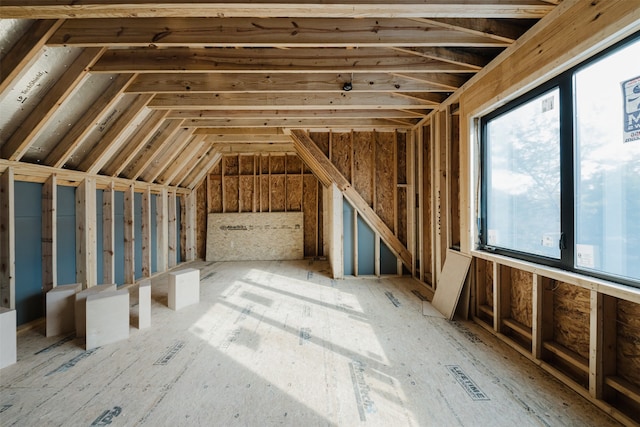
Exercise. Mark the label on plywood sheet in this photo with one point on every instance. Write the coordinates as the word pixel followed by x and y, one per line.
pixel 305 336
pixel 170 353
pixel 264 236
pixel 107 416
pixel 73 362
pixel 586 256
pixel 366 405
pixel 467 383
pixel 631 115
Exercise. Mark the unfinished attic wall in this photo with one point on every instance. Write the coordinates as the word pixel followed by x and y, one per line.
pixel 376 164
pixel 274 182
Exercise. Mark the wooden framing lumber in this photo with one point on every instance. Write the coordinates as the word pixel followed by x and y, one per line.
pixel 129 237
pixel 205 165
pixel 108 234
pixel 26 49
pixel 86 218
pixel 172 222
pixel 50 9
pixel 190 228
pixel 162 230
pixel 73 138
pixel 197 142
pixel 7 240
pixel 261 32
pixel 135 143
pixel 165 154
pixel 110 143
pixel 327 173
pixel 260 61
pixel 49 234
pixel 146 233
pixel 20 141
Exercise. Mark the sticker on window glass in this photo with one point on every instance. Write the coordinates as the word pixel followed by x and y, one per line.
pixel 547 104
pixel 585 256
pixel 492 238
pixel 631 93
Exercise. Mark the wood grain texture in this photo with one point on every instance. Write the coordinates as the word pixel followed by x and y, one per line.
pixel 521 297
pixel 385 187
pixel 341 153
pixel 628 342
pixel 363 162
pixel 571 308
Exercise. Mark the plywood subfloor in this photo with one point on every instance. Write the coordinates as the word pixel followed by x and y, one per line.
pixel 280 343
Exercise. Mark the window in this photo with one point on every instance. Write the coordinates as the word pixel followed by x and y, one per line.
pixel 561 170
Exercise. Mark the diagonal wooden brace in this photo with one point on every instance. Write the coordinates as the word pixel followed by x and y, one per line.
pixel 327 173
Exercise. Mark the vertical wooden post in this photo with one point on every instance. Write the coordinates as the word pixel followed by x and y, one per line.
pixel 162 229
pixel 336 239
pixel 421 198
pixel 146 233
pixel 86 239
pixel 172 223
pixel 7 241
pixel 129 237
pixel 49 234
pixel 108 233
pixel 602 344
pixel 190 225
pixel 411 200
pixel 542 320
pixel 354 220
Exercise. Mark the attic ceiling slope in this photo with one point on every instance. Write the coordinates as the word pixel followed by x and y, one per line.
pixel 156 92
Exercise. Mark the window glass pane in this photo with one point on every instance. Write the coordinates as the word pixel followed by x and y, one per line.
pixel 523 177
pixel 608 162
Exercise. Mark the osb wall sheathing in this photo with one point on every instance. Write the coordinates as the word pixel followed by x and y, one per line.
pixel 401 167
pixel 385 185
pixel 628 342
pixel 488 284
pixel 363 165
pixel 266 183
pixel 522 297
pixel 571 306
pixel 341 153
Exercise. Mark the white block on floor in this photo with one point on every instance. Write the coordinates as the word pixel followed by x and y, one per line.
pixel 8 343
pixel 61 311
pixel 81 300
pixel 184 288
pixel 144 304
pixel 107 318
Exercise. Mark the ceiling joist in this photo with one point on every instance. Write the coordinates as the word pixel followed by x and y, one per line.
pixel 74 9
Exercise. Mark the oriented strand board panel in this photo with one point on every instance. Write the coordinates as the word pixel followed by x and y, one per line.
pixel 341 153
pixel 521 296
pixel 450 283
pixel 255 236
pixel 628 340
pixel 385 185
pixel 571 306
pixel 363 165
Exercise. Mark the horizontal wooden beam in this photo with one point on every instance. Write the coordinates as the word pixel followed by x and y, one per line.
pixel 73 9
pixel 263 60
pixel 276 83
pixel 39 173
pixel 256 148
pixel 296 114
pixel 261 32
pixel 350 101
pixel 302 123
pixel 243 139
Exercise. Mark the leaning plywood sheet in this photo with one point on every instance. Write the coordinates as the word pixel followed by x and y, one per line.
pixel 450 283
pixel 255 236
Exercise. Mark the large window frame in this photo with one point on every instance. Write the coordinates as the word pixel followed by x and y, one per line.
pixel 564 82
